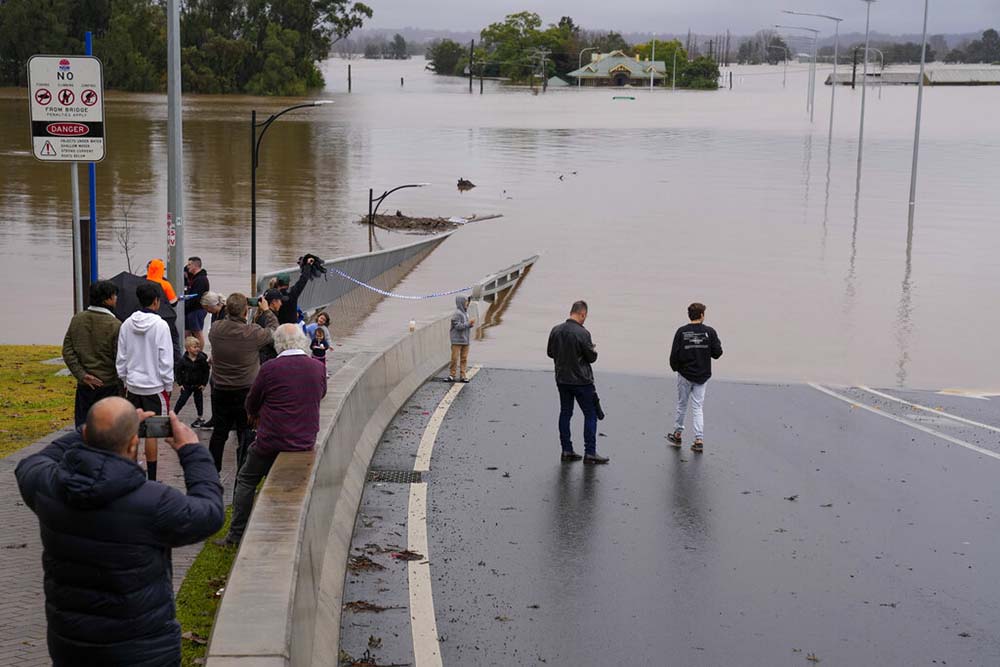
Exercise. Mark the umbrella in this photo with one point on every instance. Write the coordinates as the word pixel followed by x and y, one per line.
pixel 128 303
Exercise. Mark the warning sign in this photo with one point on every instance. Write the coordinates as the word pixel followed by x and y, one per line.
pixel 67 109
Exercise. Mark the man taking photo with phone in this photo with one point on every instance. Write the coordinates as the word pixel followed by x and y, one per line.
pixel 107 534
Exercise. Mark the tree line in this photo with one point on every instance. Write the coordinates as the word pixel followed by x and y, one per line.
pixel 519 48
pixel 227 46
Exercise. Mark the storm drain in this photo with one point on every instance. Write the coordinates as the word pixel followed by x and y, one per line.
pixel 394 476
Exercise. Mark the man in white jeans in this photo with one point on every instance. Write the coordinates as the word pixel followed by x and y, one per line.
pixel 694 347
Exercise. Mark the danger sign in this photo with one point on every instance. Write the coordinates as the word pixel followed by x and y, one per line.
pixel 67 109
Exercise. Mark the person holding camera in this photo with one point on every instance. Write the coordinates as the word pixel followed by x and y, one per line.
pixel 108 532
pixel 288 312
pixel 145 362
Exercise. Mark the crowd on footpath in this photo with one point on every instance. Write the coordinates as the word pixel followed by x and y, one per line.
pixel 107 526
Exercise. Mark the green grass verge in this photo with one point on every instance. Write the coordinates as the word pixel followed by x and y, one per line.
pixel 33 401
pixel 197 600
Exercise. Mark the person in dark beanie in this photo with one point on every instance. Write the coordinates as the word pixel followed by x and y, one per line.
pixel 694 347
pixel 107 535
pixel 289 311
pixel 572 352
pixel 90 347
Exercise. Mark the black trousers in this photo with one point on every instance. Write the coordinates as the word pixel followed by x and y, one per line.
pixel 86 397
pixel 229 412
pixel 188 392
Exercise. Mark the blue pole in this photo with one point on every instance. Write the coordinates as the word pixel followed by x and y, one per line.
pixel 92 173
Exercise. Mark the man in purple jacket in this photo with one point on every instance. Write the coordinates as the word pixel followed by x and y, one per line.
pixel 284 401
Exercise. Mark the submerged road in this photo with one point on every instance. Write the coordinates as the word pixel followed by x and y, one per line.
pixel 841 525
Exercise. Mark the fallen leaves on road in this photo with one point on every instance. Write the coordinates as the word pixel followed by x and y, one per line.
pixel 363 564
pixel 359 606
pixel 406 554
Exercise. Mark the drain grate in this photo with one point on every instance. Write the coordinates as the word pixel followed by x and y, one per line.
pixel 394 476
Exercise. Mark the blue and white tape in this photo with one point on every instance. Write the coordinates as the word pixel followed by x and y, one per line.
pixel 393 295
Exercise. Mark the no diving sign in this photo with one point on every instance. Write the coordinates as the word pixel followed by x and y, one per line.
pixel 66 95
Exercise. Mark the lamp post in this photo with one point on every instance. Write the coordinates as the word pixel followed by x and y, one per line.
pixel 255 139
pixel 579 81
pixel 881 69
pixel 377 201
pixel 811 91
pixel 864 87
pixel 916 129
pixel 836 54
pixel 784 73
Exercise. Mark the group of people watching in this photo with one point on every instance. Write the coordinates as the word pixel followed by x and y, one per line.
pixel 107 526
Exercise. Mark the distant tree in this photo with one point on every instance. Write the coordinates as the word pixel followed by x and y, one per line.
pixel 397 48
pixel 511 43
pixel 908 52
pixel 665 54
pixel 985 50
pixel 955 56
pixel 443 56
pixel 606 42
pixel 701 73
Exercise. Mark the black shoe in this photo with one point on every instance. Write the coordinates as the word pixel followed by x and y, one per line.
pixel 675 438
pixel 569 457
pixel 450 378
pixel 209 424
pixel 595 458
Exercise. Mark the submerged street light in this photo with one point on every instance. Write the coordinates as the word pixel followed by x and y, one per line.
pixel 255 139
pixel 836 54
pixel 377 201
pixel 916 129
pixel 864 86
pixel 579 81
pixel 811 90
pixel 784 73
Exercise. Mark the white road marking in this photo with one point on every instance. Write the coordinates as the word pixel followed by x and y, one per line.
pixel 426 649
pixel 924 429
pixel 423 623
pixel 940 413
pixel 426 448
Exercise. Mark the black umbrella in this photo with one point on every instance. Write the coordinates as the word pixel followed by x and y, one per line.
pixel 128 303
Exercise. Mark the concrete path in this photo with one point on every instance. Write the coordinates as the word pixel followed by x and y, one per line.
pixel 22 606
pixel 821 523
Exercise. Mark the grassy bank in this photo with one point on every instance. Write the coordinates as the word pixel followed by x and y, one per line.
pixel 33 401
pixel 199 596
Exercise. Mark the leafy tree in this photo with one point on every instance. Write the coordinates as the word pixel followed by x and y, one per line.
pixel 955 56
pixel 605 42
pixel 701 73
pixel 134 48
pixel 512 42
pixel 28 27
pixel 444 55
pixel 398 48
pixel 985 50
pixel 665 54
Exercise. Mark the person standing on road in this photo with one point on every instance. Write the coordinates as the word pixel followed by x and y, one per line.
pixel 573 351
pixel 460 326
pixel 107 533
pixel 236 346
pixel 145 362
pixel 284 402
pixel 90 349
pixel 695 345
pixel 192 373
pixel 197 287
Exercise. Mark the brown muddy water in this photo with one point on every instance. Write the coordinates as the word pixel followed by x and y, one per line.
pixel 638 206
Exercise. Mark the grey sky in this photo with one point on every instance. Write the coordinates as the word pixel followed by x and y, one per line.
pixel 702 16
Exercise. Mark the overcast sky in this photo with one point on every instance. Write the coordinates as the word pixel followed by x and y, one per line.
pixel 702 16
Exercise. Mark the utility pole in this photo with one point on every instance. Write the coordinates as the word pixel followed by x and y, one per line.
pixel 916 129
pixel 652 65
pixel 472 48
pixel 175 159
pixel 673 83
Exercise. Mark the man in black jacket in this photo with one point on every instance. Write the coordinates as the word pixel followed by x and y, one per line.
pixel 107 533
pixel 694 347
pixel 572 350
pixel 289 311
pixel 197 285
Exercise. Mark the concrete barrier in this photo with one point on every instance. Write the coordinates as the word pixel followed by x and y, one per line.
pixel 283 600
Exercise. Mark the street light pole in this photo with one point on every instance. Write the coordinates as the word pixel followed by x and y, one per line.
pixel 811 89
pixel 864 87
pixel 673 73
pixel 377 201
pixel 255 140
pixel 916 129
pixel 836 55
pixel 784 73
pixel 579 81
pixel 175 157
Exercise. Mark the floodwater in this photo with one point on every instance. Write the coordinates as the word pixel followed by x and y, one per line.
pixel 639 206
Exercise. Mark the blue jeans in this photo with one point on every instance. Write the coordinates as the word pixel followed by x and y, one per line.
pixel 584 395
pixel 695 393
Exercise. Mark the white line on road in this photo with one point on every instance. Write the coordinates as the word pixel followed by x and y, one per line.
pixel 423 623
pixel 426 649
pixel 941 413
pixel 423 460
pixel 882 413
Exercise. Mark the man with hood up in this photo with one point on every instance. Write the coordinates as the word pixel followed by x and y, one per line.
pixel 155 271
pixel 107 536
pixel 145 362
pixel 460 325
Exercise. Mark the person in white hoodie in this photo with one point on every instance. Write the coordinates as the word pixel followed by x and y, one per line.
pixel 145 362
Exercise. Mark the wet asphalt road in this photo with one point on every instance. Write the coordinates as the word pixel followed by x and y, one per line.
pixel 808 528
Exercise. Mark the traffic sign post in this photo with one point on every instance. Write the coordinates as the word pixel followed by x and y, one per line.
pixel 66 99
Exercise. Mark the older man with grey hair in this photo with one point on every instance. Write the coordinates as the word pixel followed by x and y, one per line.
pixel 284 403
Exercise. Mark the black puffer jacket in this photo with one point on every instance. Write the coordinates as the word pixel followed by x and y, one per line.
pixel 106 537
pixel 573 351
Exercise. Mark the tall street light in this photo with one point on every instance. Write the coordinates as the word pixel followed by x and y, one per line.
pixel 377 201
pixel 916 129
pixel 836 54
pixel 864 86
pixel 255 140
pixel 811 90
pixel 579 81
pixel 784 73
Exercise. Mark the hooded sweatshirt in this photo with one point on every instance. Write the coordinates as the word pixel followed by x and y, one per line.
pixel 155 273
pixel 460 322
pixel 145 361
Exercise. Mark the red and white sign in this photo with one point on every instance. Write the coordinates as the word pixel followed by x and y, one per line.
pixel 171 231
pixel 66 96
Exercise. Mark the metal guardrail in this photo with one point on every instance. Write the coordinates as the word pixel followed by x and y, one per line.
pixel 366 267
pixel 487 288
